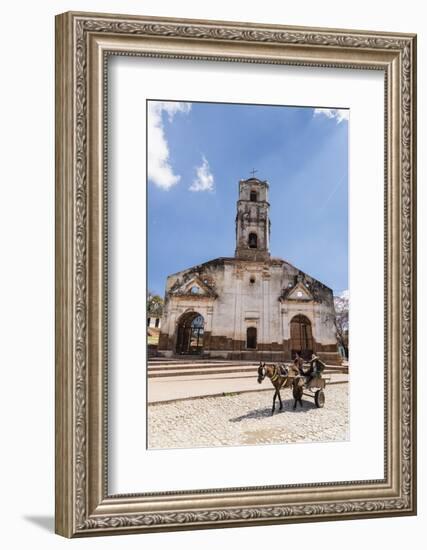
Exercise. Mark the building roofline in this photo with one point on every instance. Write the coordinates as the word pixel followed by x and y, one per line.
pixel 254 180
pixel 226 259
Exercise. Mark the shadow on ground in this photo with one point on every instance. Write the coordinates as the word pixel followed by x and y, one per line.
pixel 288 404
pixel 45 522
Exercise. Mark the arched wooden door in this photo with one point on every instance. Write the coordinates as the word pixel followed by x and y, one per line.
pixel 190 332
pixel 301 337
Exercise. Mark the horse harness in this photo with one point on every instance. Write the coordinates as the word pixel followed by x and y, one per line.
pixel 277 374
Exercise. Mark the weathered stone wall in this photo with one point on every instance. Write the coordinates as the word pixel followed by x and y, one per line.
pixel 238 294
pixel 253 217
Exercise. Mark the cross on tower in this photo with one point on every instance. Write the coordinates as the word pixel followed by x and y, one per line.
pixel 253 172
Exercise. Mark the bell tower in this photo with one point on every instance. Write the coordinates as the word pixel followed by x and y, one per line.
pixel 252 221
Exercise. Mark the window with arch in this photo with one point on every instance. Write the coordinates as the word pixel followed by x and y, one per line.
pixel 253 196
pixel 253 240
pixel 251 338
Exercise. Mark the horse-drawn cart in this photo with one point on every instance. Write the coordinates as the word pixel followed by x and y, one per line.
pixel 311 384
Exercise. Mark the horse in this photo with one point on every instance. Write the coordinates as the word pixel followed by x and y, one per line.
pixel 297 390
pixel 281 377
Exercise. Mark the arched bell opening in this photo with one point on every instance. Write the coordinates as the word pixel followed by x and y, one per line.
pixel 253 240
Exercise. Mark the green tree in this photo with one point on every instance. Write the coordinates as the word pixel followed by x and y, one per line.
pixel 154 304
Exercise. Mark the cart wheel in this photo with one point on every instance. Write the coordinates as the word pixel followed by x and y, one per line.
pixel 319 399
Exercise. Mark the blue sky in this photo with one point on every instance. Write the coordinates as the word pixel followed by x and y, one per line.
pixel 197 153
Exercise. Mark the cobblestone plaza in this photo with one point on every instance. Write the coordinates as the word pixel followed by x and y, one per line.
pixel 245 419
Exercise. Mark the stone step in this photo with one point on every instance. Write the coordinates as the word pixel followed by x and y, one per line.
pixel 193 359
pixel 201 366
pixel 201 363
pixel 159 373
pixel 225 365
pixel 206 362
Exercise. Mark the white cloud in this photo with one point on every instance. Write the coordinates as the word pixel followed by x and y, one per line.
pixel 204 180
pixel 338 114
pixel 160 171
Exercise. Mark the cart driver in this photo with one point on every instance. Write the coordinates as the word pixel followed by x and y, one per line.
pixel 316 367
pixel 298 363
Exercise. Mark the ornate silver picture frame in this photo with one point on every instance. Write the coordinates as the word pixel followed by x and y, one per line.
pixel 84 42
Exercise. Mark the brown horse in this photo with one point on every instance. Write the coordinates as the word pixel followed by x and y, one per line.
pixel 297 390
pixel 281 377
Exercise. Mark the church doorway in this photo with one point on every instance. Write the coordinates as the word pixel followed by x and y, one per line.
pixel 251 338
pixel 301 337
pixel 190 334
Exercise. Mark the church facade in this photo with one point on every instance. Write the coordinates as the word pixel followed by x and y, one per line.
pixel 251 306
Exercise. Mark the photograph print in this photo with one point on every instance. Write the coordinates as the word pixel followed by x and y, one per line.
pixel 247 274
